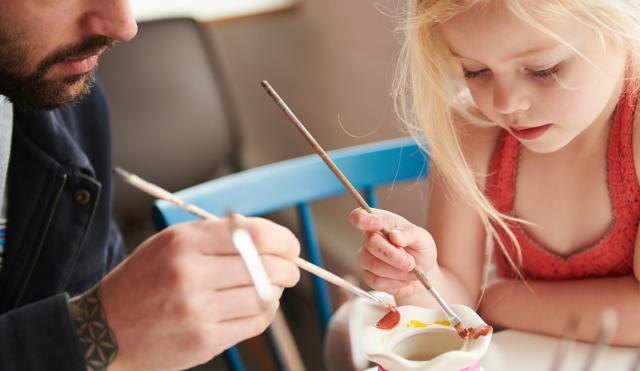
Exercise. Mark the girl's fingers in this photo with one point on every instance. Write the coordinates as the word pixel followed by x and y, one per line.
pixel 380 247
pixel 380 268
pixel 413 237
pixel 405 291
pixel 379 220
pixel 388 285
pixel 365 221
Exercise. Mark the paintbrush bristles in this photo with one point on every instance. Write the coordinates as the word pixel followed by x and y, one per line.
pixel 338 281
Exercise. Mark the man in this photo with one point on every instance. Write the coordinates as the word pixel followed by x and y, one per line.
pixel 181 298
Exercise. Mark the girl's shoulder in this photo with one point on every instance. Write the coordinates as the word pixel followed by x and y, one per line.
pixel 478 143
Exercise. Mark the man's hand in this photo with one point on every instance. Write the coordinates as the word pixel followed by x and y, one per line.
pixel 185 296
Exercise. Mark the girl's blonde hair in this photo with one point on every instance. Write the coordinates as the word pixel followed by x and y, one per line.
pixel 430 93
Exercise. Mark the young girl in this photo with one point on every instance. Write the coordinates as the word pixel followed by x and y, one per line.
pixel 527 108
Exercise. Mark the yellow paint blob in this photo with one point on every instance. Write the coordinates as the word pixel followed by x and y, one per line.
pixel 417 324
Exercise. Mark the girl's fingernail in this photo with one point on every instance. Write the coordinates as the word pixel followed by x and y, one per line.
pixel 397 231
pixel 407 262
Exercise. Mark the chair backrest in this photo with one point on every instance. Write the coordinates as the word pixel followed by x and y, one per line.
pixel 171 113
pixel 299 182
pixel 273 187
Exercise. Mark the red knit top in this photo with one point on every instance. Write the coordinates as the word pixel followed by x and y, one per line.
pixel 613 254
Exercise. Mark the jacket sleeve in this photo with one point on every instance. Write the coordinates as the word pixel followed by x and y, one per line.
pixel 40 336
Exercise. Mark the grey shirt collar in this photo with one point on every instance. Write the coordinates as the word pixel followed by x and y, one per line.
pixel 6 126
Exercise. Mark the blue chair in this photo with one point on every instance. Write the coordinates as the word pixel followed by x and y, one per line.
pixel 296 183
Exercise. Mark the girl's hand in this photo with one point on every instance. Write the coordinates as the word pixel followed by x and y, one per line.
pixel 387 261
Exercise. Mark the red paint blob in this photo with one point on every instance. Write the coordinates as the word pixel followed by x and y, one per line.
pixel 476 332
pixel 464 333
pixel 472 333
pixel 389 321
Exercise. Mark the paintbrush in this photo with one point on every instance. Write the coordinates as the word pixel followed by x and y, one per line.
pixel 243 242
pixel 567 342
pixel 635 364
pixel 453 318
pixel 165 195
pixel 608 326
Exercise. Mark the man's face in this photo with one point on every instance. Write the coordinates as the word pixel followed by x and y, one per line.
pixel 49 49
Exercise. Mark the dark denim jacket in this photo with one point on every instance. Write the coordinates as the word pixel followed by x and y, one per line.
pixel 60 236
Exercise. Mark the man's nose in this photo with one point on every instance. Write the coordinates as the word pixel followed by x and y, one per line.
pixel 110 18
pixel 509 98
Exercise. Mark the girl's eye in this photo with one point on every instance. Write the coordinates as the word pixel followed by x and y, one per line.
pixel 535 73
pixel 544 73
pixel 473 74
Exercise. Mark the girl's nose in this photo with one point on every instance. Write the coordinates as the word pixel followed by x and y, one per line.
pixel 110 18
pixel 509 98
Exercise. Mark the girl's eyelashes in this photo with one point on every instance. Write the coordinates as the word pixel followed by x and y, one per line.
pixel 473 74
pixel 547 72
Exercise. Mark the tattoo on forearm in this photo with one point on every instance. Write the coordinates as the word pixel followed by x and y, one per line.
pixel 97 341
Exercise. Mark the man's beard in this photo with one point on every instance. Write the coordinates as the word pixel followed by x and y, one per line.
pixel 34 91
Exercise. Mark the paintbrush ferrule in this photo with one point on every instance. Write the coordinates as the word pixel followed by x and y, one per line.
pixel 451 316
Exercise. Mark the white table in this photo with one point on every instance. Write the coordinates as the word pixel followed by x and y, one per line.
pixel 510 350
pixel 522 351
pixel 206 10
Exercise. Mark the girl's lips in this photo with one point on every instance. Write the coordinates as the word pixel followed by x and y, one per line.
pixel 530 133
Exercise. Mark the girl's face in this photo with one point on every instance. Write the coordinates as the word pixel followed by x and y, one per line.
pixel 524 80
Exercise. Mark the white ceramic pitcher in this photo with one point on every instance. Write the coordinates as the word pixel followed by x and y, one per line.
pixel 425 340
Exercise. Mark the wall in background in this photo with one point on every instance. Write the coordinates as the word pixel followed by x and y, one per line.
pixel 333 62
